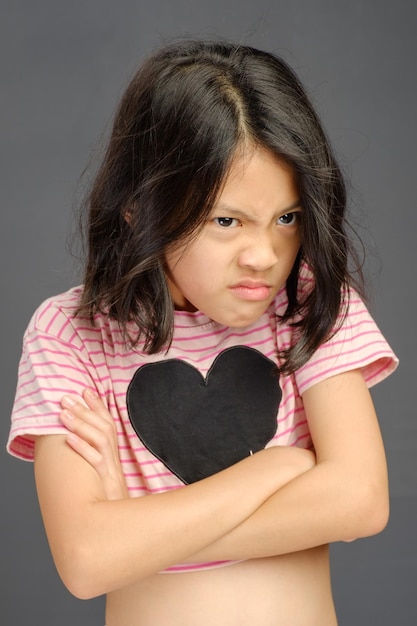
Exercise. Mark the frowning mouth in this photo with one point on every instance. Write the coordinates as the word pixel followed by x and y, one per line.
pixel 253 290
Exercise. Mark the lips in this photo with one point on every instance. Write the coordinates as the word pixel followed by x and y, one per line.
pixel 252 290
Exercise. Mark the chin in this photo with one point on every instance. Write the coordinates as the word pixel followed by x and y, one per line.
pixel 241 321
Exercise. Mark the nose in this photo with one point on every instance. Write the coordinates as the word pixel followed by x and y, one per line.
pixel 258 254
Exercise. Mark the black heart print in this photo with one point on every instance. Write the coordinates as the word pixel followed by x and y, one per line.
pixel 198 426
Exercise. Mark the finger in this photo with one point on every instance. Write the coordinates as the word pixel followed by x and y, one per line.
pixel 98 447
pixel 99 438
pixel 96 416
pixel 113 488
pixel 96 404
pixel 110 473
pixel 93 411
pixel 86 414
pixel 87 452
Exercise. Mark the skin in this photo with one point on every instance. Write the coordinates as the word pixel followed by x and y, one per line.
pixel 275 511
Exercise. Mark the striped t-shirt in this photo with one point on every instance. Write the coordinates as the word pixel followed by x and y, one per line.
pixel 64 354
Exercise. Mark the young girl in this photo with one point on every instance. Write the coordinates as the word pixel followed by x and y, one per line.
pixel 198 410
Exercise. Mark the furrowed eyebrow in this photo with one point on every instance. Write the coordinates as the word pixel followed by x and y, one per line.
pixel 224 210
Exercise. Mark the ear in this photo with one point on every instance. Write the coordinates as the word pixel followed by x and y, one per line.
pixel 128 212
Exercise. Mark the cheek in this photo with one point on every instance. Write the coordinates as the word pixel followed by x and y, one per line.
pixel 199 267
pixel 293 243
pixel 287 247
pixel 296 247
pixel 184 269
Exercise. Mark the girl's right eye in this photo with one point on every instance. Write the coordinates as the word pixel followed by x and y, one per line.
pixel 226 222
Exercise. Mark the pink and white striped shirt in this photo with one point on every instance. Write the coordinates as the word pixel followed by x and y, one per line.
pixel 64 354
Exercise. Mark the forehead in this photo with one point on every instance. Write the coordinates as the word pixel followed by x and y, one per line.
pixel 258 181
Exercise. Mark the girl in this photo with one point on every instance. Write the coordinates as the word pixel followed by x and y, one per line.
pixel 198 410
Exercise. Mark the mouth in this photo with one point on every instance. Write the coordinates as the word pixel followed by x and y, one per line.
pixel 251 290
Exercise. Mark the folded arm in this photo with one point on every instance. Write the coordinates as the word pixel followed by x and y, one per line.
pixel 102 540
pixel 275 502
pixel 344 496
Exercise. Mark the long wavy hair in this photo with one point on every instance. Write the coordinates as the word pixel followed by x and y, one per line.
pixel 189 108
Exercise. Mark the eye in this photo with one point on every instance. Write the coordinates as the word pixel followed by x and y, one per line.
pixel 289 219
pixel 227 222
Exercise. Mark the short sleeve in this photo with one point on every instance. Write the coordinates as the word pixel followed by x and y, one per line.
pixel 357 344
pixel 53 363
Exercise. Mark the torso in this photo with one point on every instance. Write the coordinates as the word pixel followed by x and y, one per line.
pixel 292 590
pixel 289 590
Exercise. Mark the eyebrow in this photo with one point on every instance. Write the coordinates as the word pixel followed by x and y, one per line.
pixel 230 211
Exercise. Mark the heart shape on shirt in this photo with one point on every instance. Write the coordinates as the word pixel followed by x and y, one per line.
pixel 198 426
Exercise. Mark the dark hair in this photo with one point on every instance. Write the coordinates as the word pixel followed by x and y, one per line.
pixel 183 116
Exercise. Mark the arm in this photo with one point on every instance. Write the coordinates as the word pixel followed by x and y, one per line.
pixel 101 540
pixel 344 495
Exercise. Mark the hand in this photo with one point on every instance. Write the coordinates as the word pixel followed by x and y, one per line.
pixel 93 436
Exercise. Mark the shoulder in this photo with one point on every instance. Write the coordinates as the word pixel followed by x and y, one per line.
pixel 51 313
pixel 57 318
pixel 356 343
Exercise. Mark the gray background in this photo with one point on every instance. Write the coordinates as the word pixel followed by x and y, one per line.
pixel 63 68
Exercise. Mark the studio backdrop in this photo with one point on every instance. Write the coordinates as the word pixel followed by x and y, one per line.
pixel 64 66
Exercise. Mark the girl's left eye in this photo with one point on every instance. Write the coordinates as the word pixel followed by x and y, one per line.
pixel 227 222
pixel 288 219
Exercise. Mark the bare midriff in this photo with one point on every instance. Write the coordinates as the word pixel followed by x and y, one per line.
pixel 288 590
